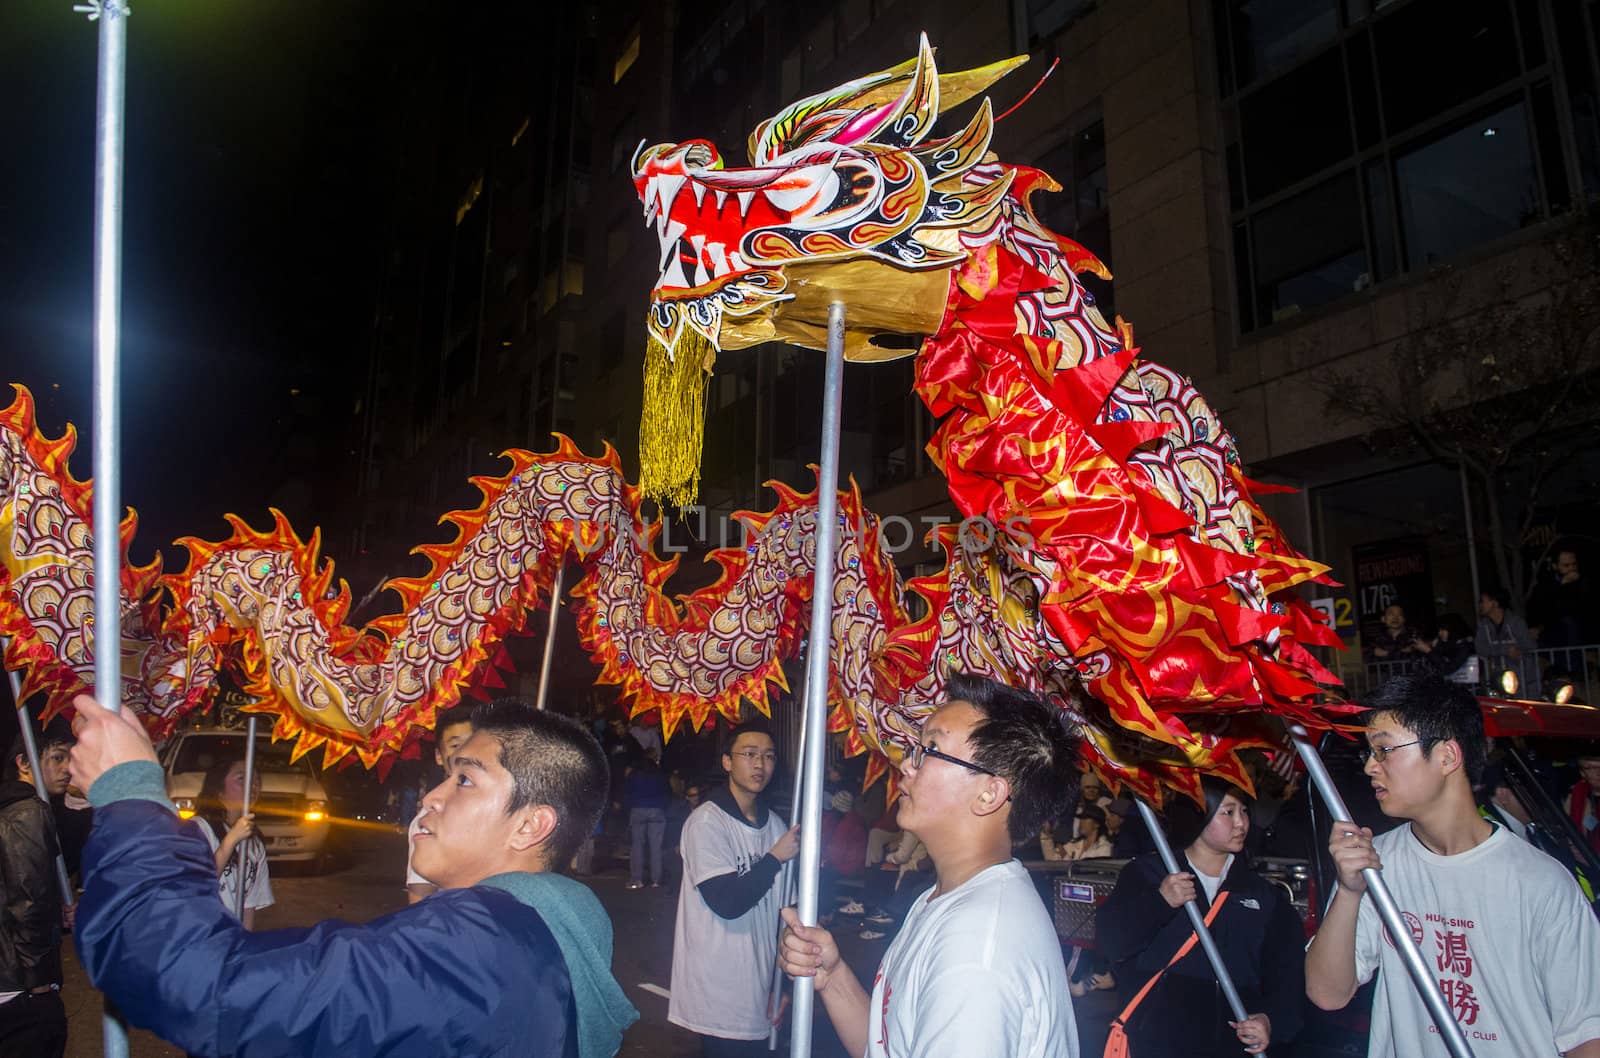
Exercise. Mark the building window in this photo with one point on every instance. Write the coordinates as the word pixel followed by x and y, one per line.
pixel 1350 161
pixel 1081 211
pixel 1046 18
pixel 628 56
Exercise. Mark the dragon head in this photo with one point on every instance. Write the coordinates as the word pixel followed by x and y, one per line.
pixel 844 195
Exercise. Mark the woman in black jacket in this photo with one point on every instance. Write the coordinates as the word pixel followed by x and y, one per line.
pixel 1142 925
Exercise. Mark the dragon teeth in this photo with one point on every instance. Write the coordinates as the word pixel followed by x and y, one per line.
pixel 718 253
pixel 671 184
pixel 669 240
pixel 722 198
pixel 699 190
pixel 673 276
pixel 745 198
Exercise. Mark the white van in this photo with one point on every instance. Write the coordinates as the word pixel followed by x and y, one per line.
pixel 292 811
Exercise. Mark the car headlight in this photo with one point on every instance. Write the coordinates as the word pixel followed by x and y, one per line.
pixel 185 807
pixel 316 811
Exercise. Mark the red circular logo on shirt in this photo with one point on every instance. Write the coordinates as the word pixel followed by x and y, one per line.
pixel 1413 924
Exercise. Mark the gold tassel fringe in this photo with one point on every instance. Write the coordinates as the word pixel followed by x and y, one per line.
pixel 672 426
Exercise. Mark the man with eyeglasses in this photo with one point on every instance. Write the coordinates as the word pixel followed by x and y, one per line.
pixel 725 940
pixel 976 970
pixel 1509 934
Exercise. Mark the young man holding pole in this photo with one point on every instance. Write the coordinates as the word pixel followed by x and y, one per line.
pixel 33 1021
pixel 976 969
pixel 1514 944
pixel 508 958
pixel 725 939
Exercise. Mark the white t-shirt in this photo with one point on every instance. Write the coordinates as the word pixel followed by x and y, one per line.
pixel 1212 884
pixel 1505 928
pixel 722 967
pixel 412 877
pixel 975 973
pixel 257 887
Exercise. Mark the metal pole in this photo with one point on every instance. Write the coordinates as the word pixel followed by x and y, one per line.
pixel 789 876
pixel 1388 910
pixel 826 529
pixel 1207 943
pixel 1472 546
pixel 107 638
pixel 550 636
pixel 239 851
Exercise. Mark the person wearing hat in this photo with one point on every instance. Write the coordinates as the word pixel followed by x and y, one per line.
pixel 1144 933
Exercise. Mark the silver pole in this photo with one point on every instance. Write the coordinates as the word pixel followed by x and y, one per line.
pixel 239 851
pixel 32 748
pixel 107 640
pixel 789 878
pixel 1449 1030
pixel 1472 547
pixel 550 636
pixel 821 646
pixel 1207 943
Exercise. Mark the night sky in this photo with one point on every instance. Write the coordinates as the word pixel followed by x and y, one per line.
pixel 254 220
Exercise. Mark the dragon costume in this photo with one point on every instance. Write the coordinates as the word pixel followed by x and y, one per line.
pixel 1112 558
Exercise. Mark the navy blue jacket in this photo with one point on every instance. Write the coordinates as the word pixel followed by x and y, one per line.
pixel 467 972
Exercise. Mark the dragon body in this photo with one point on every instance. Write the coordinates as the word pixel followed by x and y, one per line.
pixel 1120 564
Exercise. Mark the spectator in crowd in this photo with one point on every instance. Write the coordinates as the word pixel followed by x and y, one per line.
pixel 1396 640
pixel 1092 841
pixel 725 939
pixel 231 833
pixel 883 835
pixel 844 846
pixel 891 890
pixel 685 799
pixel 1583 801
pixel 503 935
pixel 1452 645
pixel 1565 609
pixel 1090 792
pixel 1505 645
pixel 976 969
pixel 646 793
pixel 33 1020
pixel 1144 933
pixel 1127 839
pixel 451 728
pixel 1513 940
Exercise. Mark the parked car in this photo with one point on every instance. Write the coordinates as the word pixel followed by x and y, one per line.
pixel 292 810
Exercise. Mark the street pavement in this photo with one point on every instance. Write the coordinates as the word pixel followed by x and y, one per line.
pixel 366 881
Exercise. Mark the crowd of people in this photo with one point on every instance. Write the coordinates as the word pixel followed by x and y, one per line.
pixel 503 950
pixel 1546 648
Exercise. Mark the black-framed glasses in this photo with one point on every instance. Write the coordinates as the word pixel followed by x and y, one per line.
pixel 918 753
pixel 1383 752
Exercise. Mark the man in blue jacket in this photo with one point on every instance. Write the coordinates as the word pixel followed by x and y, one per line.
pixel 507 959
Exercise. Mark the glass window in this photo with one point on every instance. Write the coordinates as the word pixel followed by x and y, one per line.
pixel 1363 89
pixel 1380 214
pixel 1049 17
pixel 1309 250
pixel 1268 34
pixel 1436 54
pixel 1296 126
pixel 1473 184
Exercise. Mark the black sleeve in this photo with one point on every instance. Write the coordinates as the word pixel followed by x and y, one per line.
pixel 1133 915
pixel 731 895
pixel 1283 970
pixel 32 901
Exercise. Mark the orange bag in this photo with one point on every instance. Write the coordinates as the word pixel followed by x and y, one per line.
pixel 1117 1042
